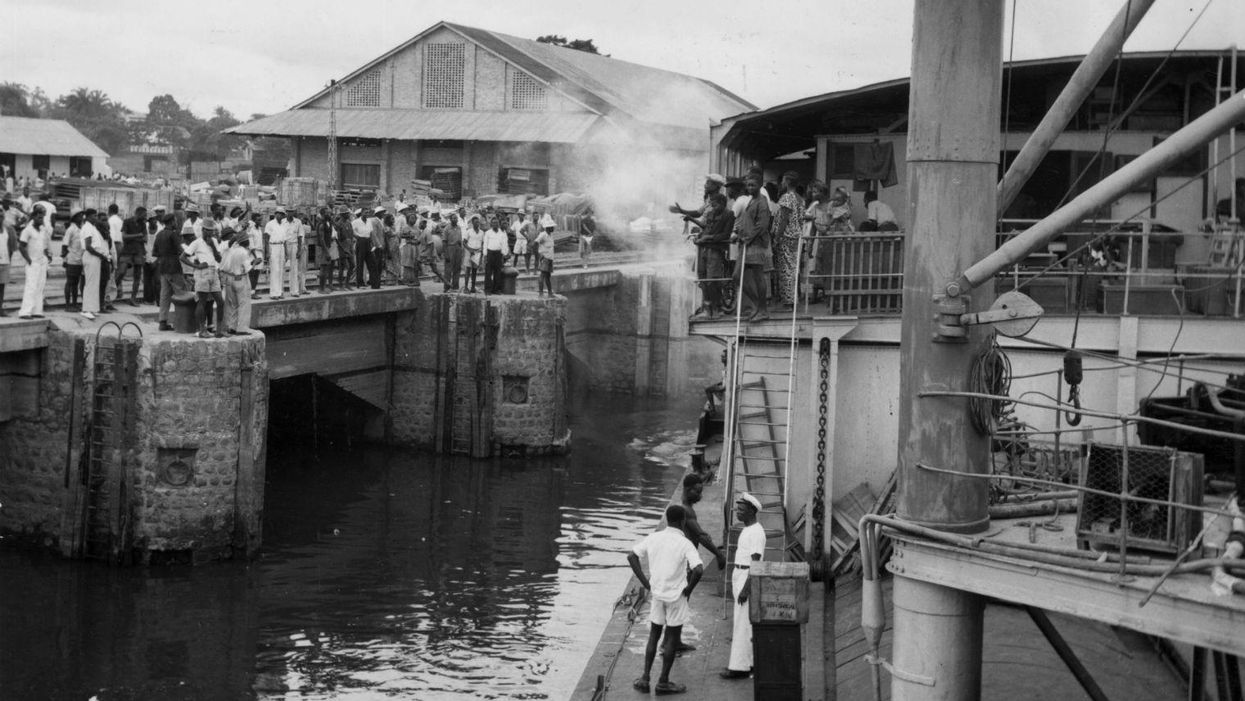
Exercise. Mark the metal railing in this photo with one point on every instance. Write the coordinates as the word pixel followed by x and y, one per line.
pixel 855 273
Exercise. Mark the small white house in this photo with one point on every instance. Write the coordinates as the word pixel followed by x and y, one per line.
pixel 40 147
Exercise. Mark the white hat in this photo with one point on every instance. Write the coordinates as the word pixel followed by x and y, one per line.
pixel 357 211
pixel 402 206
pixel 378 210
pixel 715 177
pixel 746 498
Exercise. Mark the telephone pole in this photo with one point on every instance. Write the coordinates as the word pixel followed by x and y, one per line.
pixel 332 150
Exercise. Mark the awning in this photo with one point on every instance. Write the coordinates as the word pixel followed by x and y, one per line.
pixel 409 125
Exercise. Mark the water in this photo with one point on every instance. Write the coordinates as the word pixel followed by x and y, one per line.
pixel 383 575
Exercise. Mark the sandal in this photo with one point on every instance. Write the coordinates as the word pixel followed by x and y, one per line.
pixel 667 688
pixel 640 685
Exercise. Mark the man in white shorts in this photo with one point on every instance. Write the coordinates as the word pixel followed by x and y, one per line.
pixel 670 556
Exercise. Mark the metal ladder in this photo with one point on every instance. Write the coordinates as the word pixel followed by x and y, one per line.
pixel 758 425
pixel 105 518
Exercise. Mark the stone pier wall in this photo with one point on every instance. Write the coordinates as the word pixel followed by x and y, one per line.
pixel 184 466
pixel 630 334
pixel 480 375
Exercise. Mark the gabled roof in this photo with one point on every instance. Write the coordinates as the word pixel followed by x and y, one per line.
pixel 604 85
pixel 45 137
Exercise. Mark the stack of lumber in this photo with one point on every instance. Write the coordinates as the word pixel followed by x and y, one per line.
pixel 845 525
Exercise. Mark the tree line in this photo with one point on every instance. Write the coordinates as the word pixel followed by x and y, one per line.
pixel 112 126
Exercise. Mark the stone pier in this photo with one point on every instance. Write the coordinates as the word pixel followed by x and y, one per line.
pixel 139 444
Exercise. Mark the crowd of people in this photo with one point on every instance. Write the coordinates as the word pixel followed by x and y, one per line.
pixel 750 232
pixel 220 257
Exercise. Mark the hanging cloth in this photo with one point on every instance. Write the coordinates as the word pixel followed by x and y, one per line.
pixel 876 161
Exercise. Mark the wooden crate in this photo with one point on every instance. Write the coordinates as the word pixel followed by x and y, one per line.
pixel 779 592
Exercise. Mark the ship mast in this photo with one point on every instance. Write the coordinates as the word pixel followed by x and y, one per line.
pixel 953 154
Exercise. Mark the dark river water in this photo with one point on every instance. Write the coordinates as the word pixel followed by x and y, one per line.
pixel 383 574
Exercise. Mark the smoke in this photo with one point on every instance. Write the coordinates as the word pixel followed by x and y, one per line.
pixel 634 171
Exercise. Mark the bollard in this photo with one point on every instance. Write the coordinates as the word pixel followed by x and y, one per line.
pixel 778 608
pixel 184 312
pixel 509 278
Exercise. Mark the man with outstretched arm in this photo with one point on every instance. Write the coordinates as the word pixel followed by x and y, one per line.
pixel 670 555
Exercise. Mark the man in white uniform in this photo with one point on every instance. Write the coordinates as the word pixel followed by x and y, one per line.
pixel 749 549
pixel 278 232
pixel 670 557
pixel 35 245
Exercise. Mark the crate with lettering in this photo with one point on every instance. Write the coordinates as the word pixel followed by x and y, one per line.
pixel 779 592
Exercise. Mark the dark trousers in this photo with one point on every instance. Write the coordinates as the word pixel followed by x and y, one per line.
pixel 105 272
pixel 755 300
pixel 492 272
pixel 453 266
pixel 73 281
pixel 363 260
pixel 151 284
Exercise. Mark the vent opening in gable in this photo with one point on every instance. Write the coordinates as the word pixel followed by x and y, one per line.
pixel 526 93
pixel 444 65
pixel 364 92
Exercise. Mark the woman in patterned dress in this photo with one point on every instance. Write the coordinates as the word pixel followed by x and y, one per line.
pixel 787 228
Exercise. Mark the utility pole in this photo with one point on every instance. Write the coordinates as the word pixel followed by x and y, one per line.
pixel 953 154
pixel 332 150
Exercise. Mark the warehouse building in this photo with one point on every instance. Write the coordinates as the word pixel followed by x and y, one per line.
pixel 479 112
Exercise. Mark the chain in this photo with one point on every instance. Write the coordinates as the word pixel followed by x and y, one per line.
pixel 819 494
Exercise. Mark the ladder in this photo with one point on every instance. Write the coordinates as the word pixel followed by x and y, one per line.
pixel 105 515
pixel 758 435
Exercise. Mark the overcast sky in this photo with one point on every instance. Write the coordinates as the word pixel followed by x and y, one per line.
pixel 266 55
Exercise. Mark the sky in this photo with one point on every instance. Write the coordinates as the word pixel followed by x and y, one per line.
pixel 264 56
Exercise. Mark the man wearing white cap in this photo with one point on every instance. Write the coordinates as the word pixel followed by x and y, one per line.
pixel 749 549
pixel 278 231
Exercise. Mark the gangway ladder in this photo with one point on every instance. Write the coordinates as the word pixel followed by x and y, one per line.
pixel 758 457
pixel 109 433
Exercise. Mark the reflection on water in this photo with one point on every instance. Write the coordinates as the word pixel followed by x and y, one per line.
pixel 383 574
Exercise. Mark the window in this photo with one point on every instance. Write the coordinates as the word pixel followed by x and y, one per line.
pixel 364 92
pixel 842 161
pixel 362 175
pixel 444 65
pixel 41 164
pixel 526 93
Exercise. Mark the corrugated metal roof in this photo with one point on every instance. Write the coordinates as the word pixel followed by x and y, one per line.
pixel 45 137
pixel 555 127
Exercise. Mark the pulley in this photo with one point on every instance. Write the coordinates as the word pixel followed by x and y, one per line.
pixel 1012 314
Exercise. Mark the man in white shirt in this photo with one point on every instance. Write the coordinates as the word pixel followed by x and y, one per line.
pixel 115 233
pixel 364 258
pixel 749 549
pixel 496 248
pixel 96 249
pixel 295 253
pixel 878 215
pixel 278 231
pixel 35 245
pixel 670 557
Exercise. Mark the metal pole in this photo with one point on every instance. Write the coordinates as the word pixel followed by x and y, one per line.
pixel 953 152
pixel 1146 166
pixel 1065 652
pixel 1079 87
